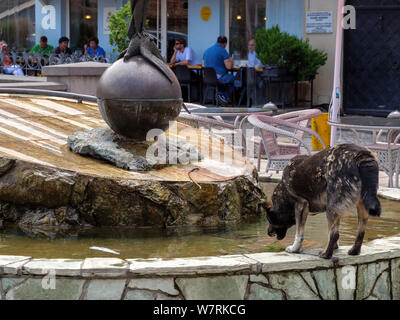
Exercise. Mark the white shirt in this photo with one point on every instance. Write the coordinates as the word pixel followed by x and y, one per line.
pixel 252 60
pixel 187 54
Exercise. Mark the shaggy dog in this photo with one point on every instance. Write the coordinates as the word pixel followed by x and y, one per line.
pixel 332 180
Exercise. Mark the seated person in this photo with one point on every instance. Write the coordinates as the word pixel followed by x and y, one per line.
pixel 62 46
pixel 8 64
pixel 253 61
pixel 42 47
pixel 252 56
pixel 93 48
pixel 183 55
pixel 218 58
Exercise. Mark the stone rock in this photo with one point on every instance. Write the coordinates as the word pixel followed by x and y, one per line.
pixel 104 267
pixel 104 144
pixel 41 289
pixel 213 288
pixel 163 284
pixel 36 197
pixel 293 285
pixel 367 276
pixel 381 290
pixel 258 292
pixel 346 278
pixel 8 283
pixel 258 278
pixel 395 269
pixel 60 267
pixel 139 295
pixel 105 290
pixel 326 283
pixel 309 280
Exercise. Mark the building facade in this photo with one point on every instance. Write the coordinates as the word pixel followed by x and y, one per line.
pixel 23 22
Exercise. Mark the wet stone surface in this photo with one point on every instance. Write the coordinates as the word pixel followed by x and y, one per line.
pixel 125 153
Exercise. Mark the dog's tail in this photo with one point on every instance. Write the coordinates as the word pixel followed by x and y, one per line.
pixel 369 173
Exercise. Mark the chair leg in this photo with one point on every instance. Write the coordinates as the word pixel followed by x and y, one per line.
pixel 259 159
pixel 189 93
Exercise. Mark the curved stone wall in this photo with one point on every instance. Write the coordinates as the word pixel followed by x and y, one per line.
pixel 375 274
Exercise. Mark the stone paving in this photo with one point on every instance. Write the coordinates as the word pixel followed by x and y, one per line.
pixel 375 274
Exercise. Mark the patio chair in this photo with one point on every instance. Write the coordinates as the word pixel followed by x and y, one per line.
pixel 278 156
pixel 388 154
pixel 287 146
pixel 210 81
pixel 185 79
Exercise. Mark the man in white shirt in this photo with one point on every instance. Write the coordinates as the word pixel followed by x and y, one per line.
pixel 251 56
pixel 183 55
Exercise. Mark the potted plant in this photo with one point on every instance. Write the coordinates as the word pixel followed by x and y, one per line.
pixel 286 55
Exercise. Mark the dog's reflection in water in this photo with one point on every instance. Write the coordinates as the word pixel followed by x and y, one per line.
pixel 332 180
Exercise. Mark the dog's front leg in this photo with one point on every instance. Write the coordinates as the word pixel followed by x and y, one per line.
pixel 301 213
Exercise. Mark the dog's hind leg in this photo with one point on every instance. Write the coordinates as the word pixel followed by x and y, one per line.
pixel 333 223
pixel 362 222
pixel 301 213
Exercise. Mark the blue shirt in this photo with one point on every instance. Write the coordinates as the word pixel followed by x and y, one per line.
pixel 99 52
pixel 252 60
pixel 214 58
pixel 187 54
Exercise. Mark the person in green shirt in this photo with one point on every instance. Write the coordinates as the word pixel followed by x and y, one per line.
pixel 42 47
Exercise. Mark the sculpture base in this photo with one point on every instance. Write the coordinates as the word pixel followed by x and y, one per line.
pixel 129 154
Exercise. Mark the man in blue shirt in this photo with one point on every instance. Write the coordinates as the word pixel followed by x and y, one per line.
pixel 218 58
pixel 94 48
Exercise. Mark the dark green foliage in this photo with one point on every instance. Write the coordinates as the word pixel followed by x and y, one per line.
pixel 275 47
pixel 119 25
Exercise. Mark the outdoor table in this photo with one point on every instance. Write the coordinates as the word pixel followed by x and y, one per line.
pixel 368 123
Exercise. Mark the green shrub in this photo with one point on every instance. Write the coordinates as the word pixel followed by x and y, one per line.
pixel 119 25
pixel 275 47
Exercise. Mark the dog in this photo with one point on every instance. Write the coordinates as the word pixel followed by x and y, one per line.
pixel 332 180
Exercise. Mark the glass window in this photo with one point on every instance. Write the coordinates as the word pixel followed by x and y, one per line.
pixel 177 21
pixel 83 22
pixel 17 23
pixel 246 17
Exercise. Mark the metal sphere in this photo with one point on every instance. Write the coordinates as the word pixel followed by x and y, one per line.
pixel 135 97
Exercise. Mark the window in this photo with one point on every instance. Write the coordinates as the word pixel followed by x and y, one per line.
pixel 17 23
pixel 246 17
pixel 83 22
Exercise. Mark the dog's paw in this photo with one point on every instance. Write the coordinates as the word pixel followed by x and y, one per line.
pixel 292 249
pixel 325 255
pixel 354 251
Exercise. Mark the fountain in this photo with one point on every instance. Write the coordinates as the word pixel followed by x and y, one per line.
pixel 116 175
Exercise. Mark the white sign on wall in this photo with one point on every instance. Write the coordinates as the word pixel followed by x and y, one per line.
pixel 319 22
pixel 49 20
pixel 106 15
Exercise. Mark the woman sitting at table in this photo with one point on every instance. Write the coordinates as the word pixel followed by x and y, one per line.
pixel 8 64
pixel 183 55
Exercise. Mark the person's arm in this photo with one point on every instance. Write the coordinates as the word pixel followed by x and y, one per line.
pixel 173 58
pixel 228 63
pixel 85 48
pixel 34 49
pixel 202 63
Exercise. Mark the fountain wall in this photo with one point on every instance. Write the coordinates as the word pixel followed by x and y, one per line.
pixel 375 274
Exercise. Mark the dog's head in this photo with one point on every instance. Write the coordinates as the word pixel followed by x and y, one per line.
pixel 280 215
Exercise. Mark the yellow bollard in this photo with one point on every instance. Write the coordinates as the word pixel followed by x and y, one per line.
pixel 320 125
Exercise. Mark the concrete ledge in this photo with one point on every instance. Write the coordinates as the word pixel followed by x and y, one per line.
pixel 375 274
pixel 82 69
pixel 6 78
pixel 36 85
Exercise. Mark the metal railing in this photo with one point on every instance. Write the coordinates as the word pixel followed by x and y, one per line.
pixel 70 95
pixel 32 63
